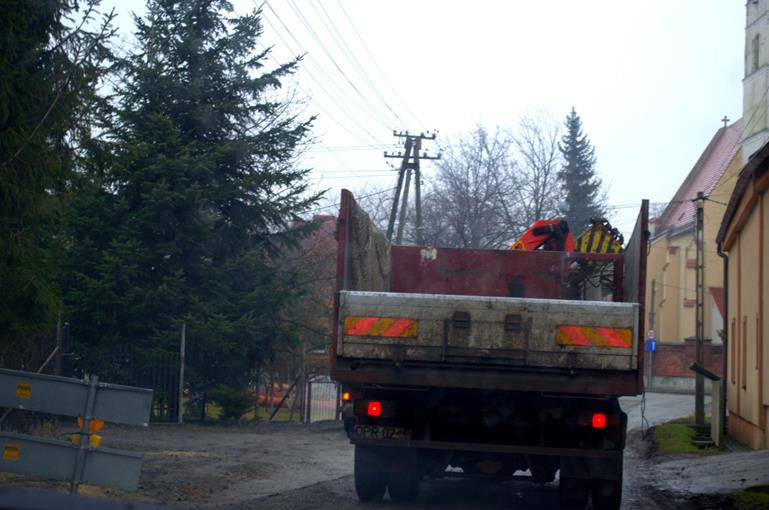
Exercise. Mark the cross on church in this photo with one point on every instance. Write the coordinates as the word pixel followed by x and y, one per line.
pixel 725 120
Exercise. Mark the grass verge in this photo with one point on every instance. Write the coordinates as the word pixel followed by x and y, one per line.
pixel 754 498
pixel 677 437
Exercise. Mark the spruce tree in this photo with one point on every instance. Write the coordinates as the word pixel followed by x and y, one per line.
pixel 51 57
pixel 199 199
pixel 580 186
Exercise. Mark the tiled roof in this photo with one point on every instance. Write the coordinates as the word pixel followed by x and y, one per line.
pixel 709 168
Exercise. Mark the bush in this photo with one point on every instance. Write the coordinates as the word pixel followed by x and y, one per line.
pixel 233 402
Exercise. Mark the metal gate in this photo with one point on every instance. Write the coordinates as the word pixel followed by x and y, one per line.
pixel 323 399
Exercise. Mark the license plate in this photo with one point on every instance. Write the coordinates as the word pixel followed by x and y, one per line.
pixel 381 432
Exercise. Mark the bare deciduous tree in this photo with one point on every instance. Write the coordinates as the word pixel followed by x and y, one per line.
pixel 538 160
pixel 469 204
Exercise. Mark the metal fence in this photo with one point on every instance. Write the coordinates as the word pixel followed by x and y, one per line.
pixel 323 399
pixel 158 371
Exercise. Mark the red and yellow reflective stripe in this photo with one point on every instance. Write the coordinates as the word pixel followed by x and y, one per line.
pixel 589 335
pixel 380 326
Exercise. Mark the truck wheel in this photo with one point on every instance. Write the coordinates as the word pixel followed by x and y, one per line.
pixel 607 494
pixel 573 493
pixel 403 487
pixel 370 485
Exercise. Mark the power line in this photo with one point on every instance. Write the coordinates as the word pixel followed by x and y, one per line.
pixel 312 33
pixel 374 60
pixel 351 56
pixel 351 148
pixel 337 204
pixel 369 176
pixel 312 61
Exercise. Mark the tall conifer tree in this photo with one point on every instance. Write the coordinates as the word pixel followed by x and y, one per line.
pixel 580 186
pixel 51 57
pixel 202 193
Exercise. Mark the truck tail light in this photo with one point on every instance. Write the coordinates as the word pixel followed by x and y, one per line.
pixel 599 421
pixel 374 408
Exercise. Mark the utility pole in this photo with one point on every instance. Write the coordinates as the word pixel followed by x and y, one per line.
pixel 410 158
pixel 699 403
pixel 652 316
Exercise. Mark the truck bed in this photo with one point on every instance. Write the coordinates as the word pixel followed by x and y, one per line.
pixel 495 319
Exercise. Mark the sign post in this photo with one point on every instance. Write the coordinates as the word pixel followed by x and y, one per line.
pixel 651 346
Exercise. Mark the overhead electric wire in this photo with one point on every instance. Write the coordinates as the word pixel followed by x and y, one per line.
pixel 321 72
pixel 349 115
pixel 336 204
pixel 354 148
pixel 323 177
pixel 371 56
pixel 309 28
pixel 342 45
pixel 322 109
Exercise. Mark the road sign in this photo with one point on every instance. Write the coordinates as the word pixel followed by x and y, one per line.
pixel 62 460
pixel 651 345
pixel 651 335
pixel 54 459
pixel 63 395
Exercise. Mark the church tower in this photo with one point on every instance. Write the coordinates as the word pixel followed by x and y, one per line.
pixel 755 84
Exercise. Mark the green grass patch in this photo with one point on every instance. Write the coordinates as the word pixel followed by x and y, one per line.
pixel 754 498
pixel 676 437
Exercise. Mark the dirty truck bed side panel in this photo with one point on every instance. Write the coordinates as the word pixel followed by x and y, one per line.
pixel 488 330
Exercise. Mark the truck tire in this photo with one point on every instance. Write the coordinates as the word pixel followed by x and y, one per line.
pixel 403 487
pixel 573 493
pixel 607 494
pixel 370 484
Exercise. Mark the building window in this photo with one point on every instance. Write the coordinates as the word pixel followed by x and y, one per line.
pixel 758 340
pixel 733 345
pixel 744 348
pixel 756 43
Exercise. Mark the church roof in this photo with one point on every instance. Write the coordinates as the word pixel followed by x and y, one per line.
pixel 711 165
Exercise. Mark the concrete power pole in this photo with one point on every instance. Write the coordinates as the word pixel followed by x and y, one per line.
pixel 410 158
pixel 652 316
pixel 699 402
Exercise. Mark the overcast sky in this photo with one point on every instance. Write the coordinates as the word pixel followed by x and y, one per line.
pixel 651 80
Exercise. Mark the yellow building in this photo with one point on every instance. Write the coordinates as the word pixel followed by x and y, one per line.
pixel 671 265
pixel 744 236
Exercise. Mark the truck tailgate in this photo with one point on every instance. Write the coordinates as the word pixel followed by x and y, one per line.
pixel 488 330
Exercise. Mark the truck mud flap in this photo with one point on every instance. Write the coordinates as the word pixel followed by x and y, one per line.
pixel 388 459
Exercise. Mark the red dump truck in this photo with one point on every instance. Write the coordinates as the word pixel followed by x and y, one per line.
pixel 486 363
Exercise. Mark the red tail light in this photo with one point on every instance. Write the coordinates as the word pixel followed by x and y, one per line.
pixel 374 408
pixel 599 421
